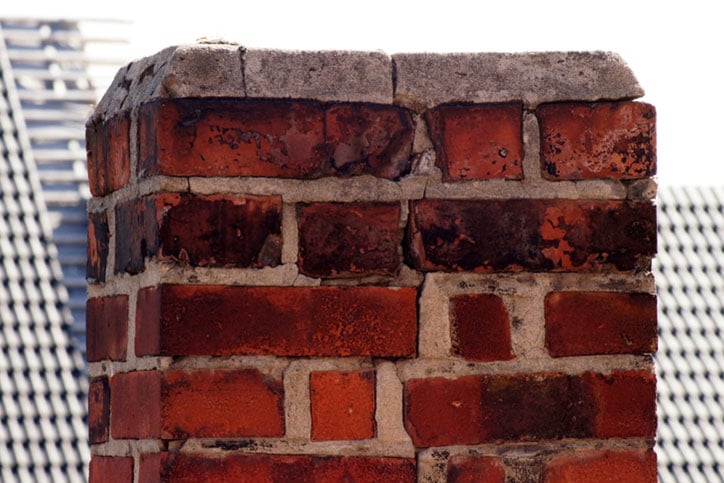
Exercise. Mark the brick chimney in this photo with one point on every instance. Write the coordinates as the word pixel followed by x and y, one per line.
pixel 346 266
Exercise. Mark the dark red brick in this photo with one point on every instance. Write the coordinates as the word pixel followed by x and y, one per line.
pixel 369 139
pixel 98 240
pixel 111 469
pixel 285 321
pixel 239 231
pixel 586 323
pixel 590 466
pixel 479 328
pixel 99 406
pixel 232 137
pixel 534 235
pixel 475 469
pixel 188 467
pixel 107 328
pixel 148 315
pixel 136 234
pixel 221 404
pixel 342 405
pixel 529 407
pixel 480 141
pixel 626 404
pixel 108 154
pixel 349 239
pixel 149 468
pixel 603 140
pixel 136 405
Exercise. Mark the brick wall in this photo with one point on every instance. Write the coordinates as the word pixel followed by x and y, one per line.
pixel 346 266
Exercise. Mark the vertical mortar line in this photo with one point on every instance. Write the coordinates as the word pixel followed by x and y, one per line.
pixel 434 320
pixel 290 234
pixel 528 339
pixel 132 303
pixel 297 410
pixel 531 148
pixel 402 227
pixel 389 407
pixel 432 465
pixel 110 203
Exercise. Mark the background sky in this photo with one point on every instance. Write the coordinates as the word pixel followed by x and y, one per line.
pixel 671 47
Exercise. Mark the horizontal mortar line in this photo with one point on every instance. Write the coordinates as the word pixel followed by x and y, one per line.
pixel 530 448
pixel 423 368
pixel 369 188
pixel 522 282
pixel 281 446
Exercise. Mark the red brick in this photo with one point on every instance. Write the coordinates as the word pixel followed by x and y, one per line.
pixel 187 467
pixel 149 468
pixel 221 404
pixel 107 323
pixel 534 235
pixel 232 137
pixel 483 141
pixel 475 469
pixel 98 242
pixel 342 405
pixel 603 140
pixel 586 466
pixel 136 234
pixel 136 405
pixel 148 314
pixel 626 403
pixel 108 154
pixel 369 139
pixel 99 406
pixel 111 469
pixel 529 407
pixel 238 231
pixel 479 328
pixel 285 321
pixel 349 239
pixel 586 323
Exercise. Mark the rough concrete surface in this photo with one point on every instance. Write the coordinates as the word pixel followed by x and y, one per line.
pixel 325 75
pixel 425 80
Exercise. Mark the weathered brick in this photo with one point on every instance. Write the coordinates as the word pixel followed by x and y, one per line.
pixel 475 469
pixel 478 141
pixel 529 407
pixel 136 234
pixel 149 468
pixel 148 315
pixel 107 324
pixel 284 321
pixel 111 469
pixel 259 467
pixel 626 404
pixel 586 323
pixel 232 137
pixel 581 466
pixel 349 239
pixel 239 231
pixel 342 405
pixel 535 235
pixel 224 403
pixel 108 154
pixel 601 140
pixel 369 139
pixel 136 405
pixel 480 328
pixel 98 242
pixel 99 405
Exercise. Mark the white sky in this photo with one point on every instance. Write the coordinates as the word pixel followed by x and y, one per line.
pixel 671 46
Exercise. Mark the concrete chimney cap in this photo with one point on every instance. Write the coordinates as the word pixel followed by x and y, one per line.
pixel 417 81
